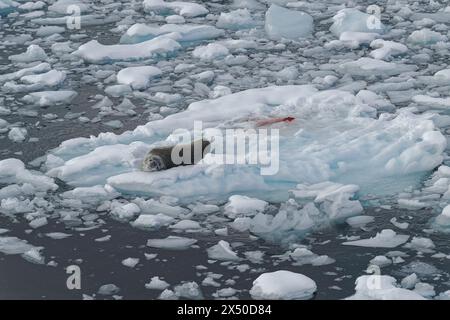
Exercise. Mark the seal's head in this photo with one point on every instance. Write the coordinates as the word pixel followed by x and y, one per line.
pixel 153 163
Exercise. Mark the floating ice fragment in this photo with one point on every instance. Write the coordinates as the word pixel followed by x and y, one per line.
pixel 387 238
pixel 181 33
pixel 138 77
pixel 13 171
pixel 152 221
pixel 156 284
pixel 289 24
pixel 374 67
pixel 108 289
pixel 171 243
pixel 222 251
pixel 185 9
pixel 124 212
pixel 351 19
pixel 17 134
pixel 210 52
pixel 235 20
pixel 244 206
pixel 426 37
pixel 381 261
pixel 283 285
pixel 33 53
pixel 186 225
pixel 189 290
pixel 94 52
pixel 50 98
pixel 130 262
pixel 386 49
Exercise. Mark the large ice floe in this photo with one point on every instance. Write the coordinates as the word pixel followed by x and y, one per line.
pixel 334 137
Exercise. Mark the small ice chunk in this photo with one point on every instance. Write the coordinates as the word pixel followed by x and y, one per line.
pixel 51 78
pixel 172 243
pixel 410 281
pixel 57 235
pixel 359 221
pixel 50 98
pixel 150 221
pixel 386 49
pixel 222 251
pixel 108 289
pixel 421 244
pixel 185 9
pixel 239 205
pixel 411 204
pixel 374 67
pixel 13 245
pixel 186 225
pixel 38 222
pixel 425 37
pixel 303 256
pixel 138 77
pixel 400 225
pixel 387 238
pixel 33 53
pixel 351 19
pixel 130 262
pixel 381 261
pixel 34 256
pixel 235 20
pixel 289 24
pixel 157 284
pixel 283 285
pixel 14 171
pixel 426 290
pixel 168 295
pixel 211 51
pixel 17 134
pixel 123 211
pixel 189 290
pixel 443 220
pixel 175 19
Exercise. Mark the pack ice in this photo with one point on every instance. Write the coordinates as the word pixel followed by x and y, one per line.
pixel 335 137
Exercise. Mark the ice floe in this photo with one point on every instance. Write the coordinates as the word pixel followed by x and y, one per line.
pixel 385 239
pixel 235 20
pixel 185 9
pixel 50 98
pixel 283 285
pixel 172 243
pixel 95 52
pixel 353 20
pixel 341 125
pixel 181 33
pixel 138 77
pixel 289 24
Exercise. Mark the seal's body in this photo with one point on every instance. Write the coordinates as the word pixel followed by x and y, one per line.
pixel 164 158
